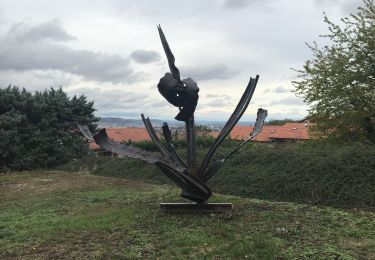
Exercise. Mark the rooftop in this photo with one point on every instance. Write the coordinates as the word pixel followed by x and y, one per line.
pixel 288 131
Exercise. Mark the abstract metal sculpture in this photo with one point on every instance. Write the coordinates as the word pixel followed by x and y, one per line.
pixel 184 95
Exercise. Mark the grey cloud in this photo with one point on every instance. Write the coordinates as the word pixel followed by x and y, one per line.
pixel 266 91
pixel 36 79
pixel 144 56
pixel 49 30
pixel 217 103
pixel 281 90
pixel 217 96
pixel 290 101
pixel 201 73
pixel 235 4
pixel 111 99
pixel 119 113
pixel 44 55
pixel 160 103
pixel 346 6
pixel 239 4
pixel 124 103
pixel 292 114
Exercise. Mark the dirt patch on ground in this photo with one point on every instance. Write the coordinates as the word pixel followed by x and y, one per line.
pixel 79 246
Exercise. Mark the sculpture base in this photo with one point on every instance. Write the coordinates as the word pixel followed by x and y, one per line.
pixel 197 208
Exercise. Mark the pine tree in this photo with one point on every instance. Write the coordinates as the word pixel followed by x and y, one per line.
pixel 40 129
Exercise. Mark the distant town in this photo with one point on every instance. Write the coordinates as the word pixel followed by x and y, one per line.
pixel 117 122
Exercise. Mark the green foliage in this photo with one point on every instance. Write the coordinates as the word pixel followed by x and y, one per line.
pixel 326 173
pixel 39 129
pixel 203 141
pixel 316 172
pixel 280 121
pixel 339 82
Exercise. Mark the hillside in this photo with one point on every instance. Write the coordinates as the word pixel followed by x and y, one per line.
pixel 77 215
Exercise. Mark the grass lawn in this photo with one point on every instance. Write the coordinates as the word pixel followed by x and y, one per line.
pixel 73 215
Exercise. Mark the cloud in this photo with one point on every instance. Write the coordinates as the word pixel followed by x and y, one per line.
pixel 217 103
pixel 40 51
pixel 144 56
pixel 111 99
pixel 290 114
pixel 36 79
pixel 217 96
pixel 115 102
pixel 267 90
pixel 290 101
pixel 346 6
pixel 281 90
pixel 49 30
pixel 239 4
pixel 209 72
pixel 236 4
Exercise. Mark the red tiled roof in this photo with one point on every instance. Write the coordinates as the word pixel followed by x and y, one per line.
pixel 239 132
pixel 292 131
pixel 124 134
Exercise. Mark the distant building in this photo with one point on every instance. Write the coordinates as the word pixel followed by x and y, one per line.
pixel 274 133
pixel 125 134
pixel 270 133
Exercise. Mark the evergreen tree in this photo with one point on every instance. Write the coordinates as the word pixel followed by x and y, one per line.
pixel 40 129
pixel 339 82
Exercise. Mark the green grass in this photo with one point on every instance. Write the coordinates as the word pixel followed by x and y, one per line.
pixel 78 215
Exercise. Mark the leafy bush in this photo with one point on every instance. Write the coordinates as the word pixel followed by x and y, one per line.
pixel 201 142
pixel 39 129
pixel 314 172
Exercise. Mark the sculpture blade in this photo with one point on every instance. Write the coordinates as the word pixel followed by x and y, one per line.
pixel 214 168
pixel 191 145
pixel 192 189
pixel 261 116
pixel 86 132
pixel 108 144
pixel 170 147
pixel 154 138
pixel 236 115
pixel 171 60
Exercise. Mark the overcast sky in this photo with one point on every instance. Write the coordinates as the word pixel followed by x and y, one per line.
pixel 109 50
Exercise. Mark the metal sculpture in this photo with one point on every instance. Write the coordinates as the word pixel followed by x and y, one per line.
pixel 191 178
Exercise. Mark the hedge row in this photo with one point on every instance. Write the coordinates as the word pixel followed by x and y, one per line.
pixel 341 175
